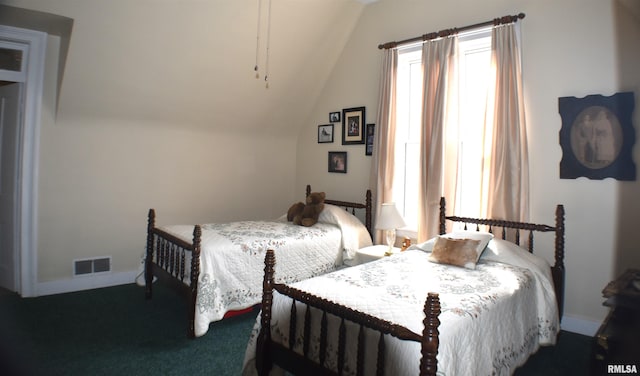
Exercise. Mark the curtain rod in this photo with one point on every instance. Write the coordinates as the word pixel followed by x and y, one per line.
pixel 446 32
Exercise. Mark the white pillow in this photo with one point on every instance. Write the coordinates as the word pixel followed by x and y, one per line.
pixel 504 251
pixel 354 234
pixel 424 246
pixel 336 215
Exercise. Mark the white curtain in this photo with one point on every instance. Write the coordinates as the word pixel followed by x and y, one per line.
pixel 507 190
pixel 439 78
pixel 385 136
pixel 505 175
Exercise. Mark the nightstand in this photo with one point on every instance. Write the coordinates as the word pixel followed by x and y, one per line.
pixel 367 254
pixel 618 339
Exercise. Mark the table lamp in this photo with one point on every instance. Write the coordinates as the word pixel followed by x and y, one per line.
pixel 389 219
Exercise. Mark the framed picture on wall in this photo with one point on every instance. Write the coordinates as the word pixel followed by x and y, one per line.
pixel 371 130
pixel 597 137
pixel 334 117
pixel 325 133
pixel 353 123
pixel 338 161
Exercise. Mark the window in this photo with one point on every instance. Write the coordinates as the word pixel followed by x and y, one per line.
pixel 408 116
pixel 13 61
pixel 474 59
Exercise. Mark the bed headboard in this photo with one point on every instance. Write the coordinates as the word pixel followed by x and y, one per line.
pixel 557 270
pixel 352 206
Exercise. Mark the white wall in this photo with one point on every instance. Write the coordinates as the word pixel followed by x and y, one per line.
pixel 98 178
pixel 627 29
pixel 569 50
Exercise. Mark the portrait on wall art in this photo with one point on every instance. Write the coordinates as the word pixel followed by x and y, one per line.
pixel 353 123
pixel 325 133
pixel 338 161
pixel 597 137
pixel 371 130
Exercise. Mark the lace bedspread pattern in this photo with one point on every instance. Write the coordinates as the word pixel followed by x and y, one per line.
pixel 232 261
pixel 492 317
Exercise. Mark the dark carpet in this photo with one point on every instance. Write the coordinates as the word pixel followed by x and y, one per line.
pixel 115 331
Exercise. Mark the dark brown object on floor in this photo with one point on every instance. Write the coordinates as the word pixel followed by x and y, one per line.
pixel 617 342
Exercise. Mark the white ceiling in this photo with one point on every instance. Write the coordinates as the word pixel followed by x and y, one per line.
pixel 192 61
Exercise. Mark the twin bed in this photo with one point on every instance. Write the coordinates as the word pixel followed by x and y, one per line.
pixel 218 267
pixel 405 314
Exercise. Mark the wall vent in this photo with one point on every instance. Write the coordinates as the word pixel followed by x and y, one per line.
pixel 91 266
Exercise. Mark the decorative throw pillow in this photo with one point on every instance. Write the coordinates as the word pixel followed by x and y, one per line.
pixel 458 252
pixel 484 237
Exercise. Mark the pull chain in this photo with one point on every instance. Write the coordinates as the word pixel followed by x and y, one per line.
pixel 266 75
pixel 255 68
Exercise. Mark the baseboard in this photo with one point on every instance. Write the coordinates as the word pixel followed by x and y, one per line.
pixel 86 283
pixel 580 325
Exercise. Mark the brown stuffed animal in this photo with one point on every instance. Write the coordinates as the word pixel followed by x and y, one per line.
pixel 295 209
pixel 307 215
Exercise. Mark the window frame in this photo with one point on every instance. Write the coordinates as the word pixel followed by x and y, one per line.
pixel 470 41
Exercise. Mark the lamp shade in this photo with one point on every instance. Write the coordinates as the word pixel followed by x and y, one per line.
pixel 389 217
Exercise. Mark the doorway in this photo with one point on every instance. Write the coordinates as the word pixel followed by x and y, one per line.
pixel 22 54
pixel 9 120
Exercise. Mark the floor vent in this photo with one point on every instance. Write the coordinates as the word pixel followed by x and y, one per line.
pixel 92 266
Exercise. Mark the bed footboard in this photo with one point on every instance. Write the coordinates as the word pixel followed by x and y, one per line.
pixel 269 353
pixel 165 259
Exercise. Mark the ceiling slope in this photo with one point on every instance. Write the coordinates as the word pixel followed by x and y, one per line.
pixel 191 62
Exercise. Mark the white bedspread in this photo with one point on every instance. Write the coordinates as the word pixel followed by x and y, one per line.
pixel 492 317
pixel 232 258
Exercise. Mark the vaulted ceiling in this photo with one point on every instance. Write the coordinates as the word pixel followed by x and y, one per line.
pixel 191 62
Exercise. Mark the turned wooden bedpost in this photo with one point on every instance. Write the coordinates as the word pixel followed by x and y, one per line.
pixel 263 355
pixel 430 336
pixel 148 268
pixel 308 191
pixel 558 268
pixel 195 276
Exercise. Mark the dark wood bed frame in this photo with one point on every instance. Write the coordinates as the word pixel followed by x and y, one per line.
pixel 166 255
pixel 269 353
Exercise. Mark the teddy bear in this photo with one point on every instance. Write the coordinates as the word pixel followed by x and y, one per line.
pixel 307 214
pixel 295 209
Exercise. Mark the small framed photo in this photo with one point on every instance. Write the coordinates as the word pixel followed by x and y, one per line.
pixel 325 133
pixel 338 161
pixel 353 121
pixel 371 130
pixel 334 117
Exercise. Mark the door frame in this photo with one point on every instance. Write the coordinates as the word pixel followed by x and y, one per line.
pixel 28 156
